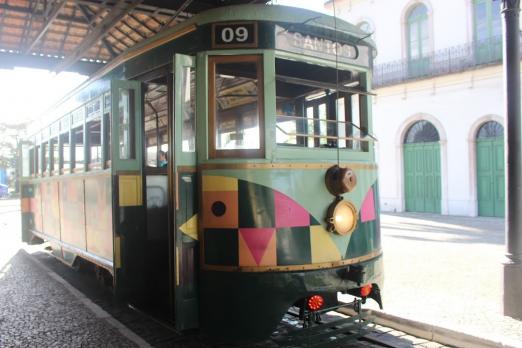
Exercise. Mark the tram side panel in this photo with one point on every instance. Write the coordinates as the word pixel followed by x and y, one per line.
pixel 98 216
pixel 50 208
pixel 26 203
pixel 74 211
pixel 37 208
pixel 130 238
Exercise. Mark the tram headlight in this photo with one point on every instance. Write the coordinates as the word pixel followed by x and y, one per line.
pixel 341 217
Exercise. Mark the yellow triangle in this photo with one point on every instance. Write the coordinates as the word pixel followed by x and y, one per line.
pixel 323 247
pixel 190 228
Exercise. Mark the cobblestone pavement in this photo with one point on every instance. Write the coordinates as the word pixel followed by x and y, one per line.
pixel 447 271
pixel 36 310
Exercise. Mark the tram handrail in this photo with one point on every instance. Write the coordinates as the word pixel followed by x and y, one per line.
pixel 304 135
pixel 367 135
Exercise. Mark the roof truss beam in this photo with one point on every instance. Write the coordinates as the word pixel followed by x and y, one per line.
pixel 178 12
pixel 140 8
pixel 102 28
pixel 52 16
pixel 88 17
pixel 145 25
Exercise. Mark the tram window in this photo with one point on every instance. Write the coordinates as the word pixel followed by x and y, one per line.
pixel 188 99
pixel 236 99
pixel 156 124
pixel 94 135
pixel 54 156
pixel 27 158
pixel 341 117
pixel 310 125
pixel 107 135
pixel 107 126
pixel 65 152
pixel 311 111
pixel 45 158
pixel 322 124
pixel 37 157
pixel 78 148
pixel 355 121
pixel 286 129
pixel 126 118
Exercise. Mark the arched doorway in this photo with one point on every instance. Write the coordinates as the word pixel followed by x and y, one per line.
pixel 422 168
pixel 490 169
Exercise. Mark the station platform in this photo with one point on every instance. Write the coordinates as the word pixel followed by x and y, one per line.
pixel 446 271
pixel 440 272
pixel 39 309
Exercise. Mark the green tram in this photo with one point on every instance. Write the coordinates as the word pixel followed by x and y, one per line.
pixel 220 172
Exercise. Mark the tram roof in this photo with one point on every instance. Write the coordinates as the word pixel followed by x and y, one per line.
pixel 83 35
pixel 249 12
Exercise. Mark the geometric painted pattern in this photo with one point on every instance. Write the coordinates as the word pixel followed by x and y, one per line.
pixel 368 207
pixel 366 236
pixel 257 247
pixel 247 224
pixel 190 227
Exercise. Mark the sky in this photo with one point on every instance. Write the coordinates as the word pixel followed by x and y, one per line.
pixel 26 93
pixel 316 5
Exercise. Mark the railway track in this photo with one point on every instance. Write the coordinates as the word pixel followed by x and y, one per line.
pixel 160 334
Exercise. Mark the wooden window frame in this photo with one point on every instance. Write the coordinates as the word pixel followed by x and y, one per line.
pixel 93 165
pixel 52 159
pixel 212 105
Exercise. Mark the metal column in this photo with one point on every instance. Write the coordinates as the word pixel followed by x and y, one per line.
pixel 513 266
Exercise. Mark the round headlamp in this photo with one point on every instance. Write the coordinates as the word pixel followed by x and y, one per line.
pixel 341 217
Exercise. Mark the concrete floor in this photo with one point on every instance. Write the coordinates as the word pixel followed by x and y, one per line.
pixel 447 271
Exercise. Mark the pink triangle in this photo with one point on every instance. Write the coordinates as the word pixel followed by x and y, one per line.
pixel 257 240
pixel 368 207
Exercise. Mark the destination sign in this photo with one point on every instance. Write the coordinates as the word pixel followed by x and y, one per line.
pixel 234 35
pixel 320 47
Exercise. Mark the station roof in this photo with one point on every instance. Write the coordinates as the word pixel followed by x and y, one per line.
pixel 83 35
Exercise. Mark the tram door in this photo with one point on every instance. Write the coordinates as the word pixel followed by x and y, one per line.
pixel 186 194
pixel 157 106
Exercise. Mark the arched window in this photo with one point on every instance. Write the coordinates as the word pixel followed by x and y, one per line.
pixel 490 129
pixel 486 15
pixel 417 32
pixel 487 31
pixel 421 132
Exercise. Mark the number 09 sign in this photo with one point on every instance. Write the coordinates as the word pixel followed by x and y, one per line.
pixel 234 35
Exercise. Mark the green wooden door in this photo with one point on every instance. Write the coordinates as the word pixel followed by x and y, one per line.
pixel 422 177
pixel 490 176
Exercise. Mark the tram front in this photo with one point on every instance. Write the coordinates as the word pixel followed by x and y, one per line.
pixel 288 182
